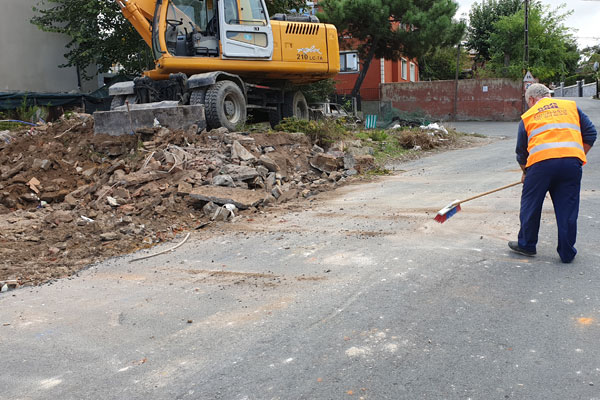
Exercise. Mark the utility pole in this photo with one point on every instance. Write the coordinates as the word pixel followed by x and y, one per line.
pixel 456 81
pixel 526 52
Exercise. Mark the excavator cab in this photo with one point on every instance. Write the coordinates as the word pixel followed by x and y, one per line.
pixel 236 29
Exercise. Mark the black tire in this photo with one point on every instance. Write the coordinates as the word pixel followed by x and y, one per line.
pixel 225 105
pixel 295 105
pixel 117 101
pixel 120 100
pixel 198 96
pixel 275 117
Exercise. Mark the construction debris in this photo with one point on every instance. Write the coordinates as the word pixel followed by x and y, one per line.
pixel 70 197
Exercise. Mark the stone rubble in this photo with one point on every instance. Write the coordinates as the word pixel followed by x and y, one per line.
pixel 70 197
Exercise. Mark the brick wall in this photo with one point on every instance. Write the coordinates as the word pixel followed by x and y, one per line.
pixel 478 99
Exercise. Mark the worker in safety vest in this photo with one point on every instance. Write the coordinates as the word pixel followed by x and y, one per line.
pixel 553 140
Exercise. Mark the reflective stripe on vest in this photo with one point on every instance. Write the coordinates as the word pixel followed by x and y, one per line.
pixel 553 131
pixel 545 146
pixel 552 126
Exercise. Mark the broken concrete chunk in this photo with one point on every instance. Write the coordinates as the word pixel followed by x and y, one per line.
pixel 58 217
pixel 109 236
pixel 262 171
pixel 223 180
pixel 241 198
pixel 88 173
pixel 349 161
pixel 324 162
pixel 239 152
pixel 270 181
pixel 335 176
pixel 139 178
pixel 364 163
pixel 239 172
pixel 288 195
pixel 184 188
pixel 13 171
pixel 317 149
pixel 269 163
pixel 276 192
pixel 222 214
pixel 112 201
pixel 228 138
pixel 209 209
pixel 46 164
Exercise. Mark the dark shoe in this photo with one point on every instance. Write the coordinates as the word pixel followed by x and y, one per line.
pixel 514 246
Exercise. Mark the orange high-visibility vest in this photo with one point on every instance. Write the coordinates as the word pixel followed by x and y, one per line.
pixel 553 131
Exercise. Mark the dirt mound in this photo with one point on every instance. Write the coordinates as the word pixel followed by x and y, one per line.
pixel 70 197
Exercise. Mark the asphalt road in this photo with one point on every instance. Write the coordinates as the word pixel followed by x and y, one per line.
pixel 361 295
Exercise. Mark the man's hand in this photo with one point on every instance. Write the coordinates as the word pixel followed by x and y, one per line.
pixel 524 172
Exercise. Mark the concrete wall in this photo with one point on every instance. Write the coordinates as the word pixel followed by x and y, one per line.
pixel 478 99
pixel 30 57
pixel 589 90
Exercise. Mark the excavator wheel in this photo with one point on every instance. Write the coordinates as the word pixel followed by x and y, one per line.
pixel 295 105
pixel 198 96
pixel 119 100
pixel 225 105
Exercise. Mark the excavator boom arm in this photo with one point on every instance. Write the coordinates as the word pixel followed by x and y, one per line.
pixel 140 13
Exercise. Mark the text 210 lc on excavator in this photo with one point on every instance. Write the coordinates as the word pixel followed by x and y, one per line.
pixel 229 56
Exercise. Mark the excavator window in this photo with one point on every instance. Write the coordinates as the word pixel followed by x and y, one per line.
pixel 191 28
pixel 245 12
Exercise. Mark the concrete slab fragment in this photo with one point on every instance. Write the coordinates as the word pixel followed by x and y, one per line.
pixel 241 198
pixel 117 123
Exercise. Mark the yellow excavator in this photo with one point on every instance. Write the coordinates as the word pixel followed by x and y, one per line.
pixel 229 56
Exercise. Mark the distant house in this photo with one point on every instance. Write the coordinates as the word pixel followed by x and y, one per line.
pixel 30 57
pixel 380 71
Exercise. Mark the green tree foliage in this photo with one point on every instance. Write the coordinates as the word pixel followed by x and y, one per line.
pixel 318 91
pixel 552 49
pixel 426 24
pixel 101 36
pixel 482 18
pixel 99 33
pixel 589 56
pixel 440 64
pixel 282 6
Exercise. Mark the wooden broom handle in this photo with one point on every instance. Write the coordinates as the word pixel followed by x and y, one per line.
pixel 490 192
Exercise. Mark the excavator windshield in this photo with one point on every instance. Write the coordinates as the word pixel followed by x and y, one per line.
pixel 192 14
pixel 245 12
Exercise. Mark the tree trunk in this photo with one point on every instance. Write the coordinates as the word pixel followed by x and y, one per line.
pixel 363 71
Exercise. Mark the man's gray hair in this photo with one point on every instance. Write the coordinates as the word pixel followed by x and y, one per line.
pixel 536 91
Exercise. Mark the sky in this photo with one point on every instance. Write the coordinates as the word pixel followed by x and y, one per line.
pixel 585 17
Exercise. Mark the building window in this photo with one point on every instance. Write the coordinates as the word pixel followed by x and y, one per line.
pixel 349 61
pixel 404 72
pixel 412 72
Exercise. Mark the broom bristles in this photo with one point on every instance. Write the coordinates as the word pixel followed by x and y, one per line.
pixel 447 212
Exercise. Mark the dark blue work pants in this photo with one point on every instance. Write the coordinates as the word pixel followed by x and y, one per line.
pixel 562 178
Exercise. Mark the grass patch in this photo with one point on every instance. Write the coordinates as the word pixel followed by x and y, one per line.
pixel 322 132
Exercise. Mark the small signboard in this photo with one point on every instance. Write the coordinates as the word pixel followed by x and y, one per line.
pixel 529 77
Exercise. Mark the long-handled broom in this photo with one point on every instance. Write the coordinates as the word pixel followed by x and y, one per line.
pixel 454 207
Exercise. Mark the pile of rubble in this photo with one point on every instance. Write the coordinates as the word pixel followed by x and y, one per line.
pixel 70 197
